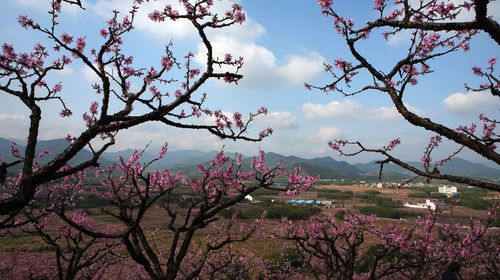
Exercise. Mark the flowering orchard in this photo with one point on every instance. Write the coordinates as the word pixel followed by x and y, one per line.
pixel 337 249
pixel 44 199
pixel 24 76
pixel 435 31
pixel 167 225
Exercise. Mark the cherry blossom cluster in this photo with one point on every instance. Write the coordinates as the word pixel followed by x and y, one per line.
pixel 199 10
pixel 488 134
pixel 332 248
pixel 434 142
pixel 492 83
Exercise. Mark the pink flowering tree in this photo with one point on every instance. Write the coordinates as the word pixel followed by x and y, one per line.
pixel 122 87
pixel 186 209
pixel 77 256
pixel 435 32
pixel 342 249
pixel 189 238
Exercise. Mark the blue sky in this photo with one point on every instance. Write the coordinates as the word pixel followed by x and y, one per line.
pixel 284 43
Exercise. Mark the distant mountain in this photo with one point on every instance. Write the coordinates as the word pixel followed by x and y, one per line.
pixel 173 158
pixel 459 166
pixel 5 150
pixel 456 166
pixel 326 167
pixel 343 168
pixel 54 147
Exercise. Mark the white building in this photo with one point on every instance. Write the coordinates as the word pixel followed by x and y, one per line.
pixel 427 205
pixel 449 191
pixel 251 199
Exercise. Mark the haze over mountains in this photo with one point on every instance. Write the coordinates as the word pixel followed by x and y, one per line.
pixel 326 167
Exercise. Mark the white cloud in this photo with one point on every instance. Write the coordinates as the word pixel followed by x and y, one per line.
pixel 346 108
pixel 66 71
pixel 158 134
pixel 298 69
pixel 354 110
pixel 400 38
pixel 248 31
pixel 12 117
pixel 13 126
pixel 44 5
pixel 327 133
pixel 278 119
pixel 384 113
pixel 89 75
pixel 261 67
pixel 471 102
pixel 333 109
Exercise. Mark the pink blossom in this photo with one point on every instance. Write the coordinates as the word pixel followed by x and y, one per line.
pixel 262 110
pixel 14 151
pixel 266 132
pixel 239 17
pixel 465 46
pixel 93 107
pixel 57 87
pixel 394 143
pixel 325 4
pixel 66 38
pixel 378 4
pixel 80 44
pixel 69 138
pixel 488 129
pixel 156 93
pixel 163 151
pixel 156 16
pixel 41 83
pixel 426 159
pixel 173 14
pixel 468 5
pixel 196 111
pixel 103 32
pixel 477 71
pixel 26 22
pixel 336 145
pixel 66 60
pixel 390 83
pixel 89 121
pixel 8 51
pixel 227 58
pixel 167 63
pixel 97 87
pixel 193 73
pixel 238 120
pixel 178 93
pixel 65 113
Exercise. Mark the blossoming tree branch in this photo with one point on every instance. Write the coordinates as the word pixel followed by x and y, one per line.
pixel 24 74
pixel 435 32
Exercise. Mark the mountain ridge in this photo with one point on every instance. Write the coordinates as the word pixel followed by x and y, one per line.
pixel 326 167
